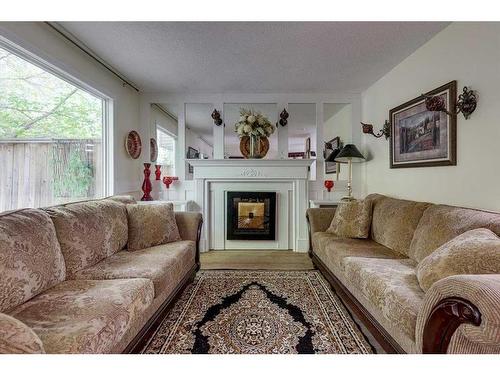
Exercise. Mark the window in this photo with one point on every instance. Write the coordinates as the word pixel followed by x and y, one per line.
pixel 166 151
pixel 52 144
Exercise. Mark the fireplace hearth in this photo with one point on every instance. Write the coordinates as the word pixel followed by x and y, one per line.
pixel 251 215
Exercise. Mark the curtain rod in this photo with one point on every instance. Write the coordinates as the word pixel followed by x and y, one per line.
pixel 81 46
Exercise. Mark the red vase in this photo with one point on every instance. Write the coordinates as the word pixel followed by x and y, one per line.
pixel 146 185
pixel 158 172
pixel 329 185
pixel 168 180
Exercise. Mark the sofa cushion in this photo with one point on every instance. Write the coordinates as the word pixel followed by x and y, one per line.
pixel 394 221
pixel 30 256
pixel 352 219
pixel 391 285
pixel 151 225
pixel 332 250
pixel 441 223
pixel 86 316
pixel 17 338
pixel 125 199
pixel 89 231
pixel 165 265
pixel 474 252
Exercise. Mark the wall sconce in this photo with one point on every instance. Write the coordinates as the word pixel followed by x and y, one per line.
pixel 466 103
pixel 216 117
pixel 283 117
pixel 386 130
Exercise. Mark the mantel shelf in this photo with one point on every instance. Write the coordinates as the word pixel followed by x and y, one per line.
pixel 250 162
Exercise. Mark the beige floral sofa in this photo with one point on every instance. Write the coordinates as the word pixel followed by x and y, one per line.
pixel 377 277
pixel 68 284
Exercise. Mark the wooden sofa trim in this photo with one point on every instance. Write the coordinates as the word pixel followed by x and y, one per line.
pixel 147 331
pixel 439 328
pixel 444 320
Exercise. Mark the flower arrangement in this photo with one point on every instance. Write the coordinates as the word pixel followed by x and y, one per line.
pixel 253 123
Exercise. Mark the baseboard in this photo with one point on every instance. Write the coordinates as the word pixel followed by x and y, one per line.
pixel 379 333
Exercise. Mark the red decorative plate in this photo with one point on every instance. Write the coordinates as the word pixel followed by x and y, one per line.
pixel 133 144
pixel 153 149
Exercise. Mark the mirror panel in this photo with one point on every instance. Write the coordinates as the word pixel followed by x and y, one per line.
pixel 302 133
pixel 337 123
pixel 164 127
pixel 199 133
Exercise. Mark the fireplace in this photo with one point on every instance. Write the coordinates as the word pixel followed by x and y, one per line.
pixel 251 215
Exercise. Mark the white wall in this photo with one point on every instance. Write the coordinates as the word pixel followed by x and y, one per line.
pixel 470 54
pixel 40 39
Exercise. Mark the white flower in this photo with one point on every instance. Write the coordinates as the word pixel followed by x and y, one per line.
pixel 247 128
pixel 243 118
pixel 261 121
pixel 251 119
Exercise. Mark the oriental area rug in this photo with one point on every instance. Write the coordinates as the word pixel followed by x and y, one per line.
pixel 258 312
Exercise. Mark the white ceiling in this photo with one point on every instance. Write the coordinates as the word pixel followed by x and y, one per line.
pixel 287 57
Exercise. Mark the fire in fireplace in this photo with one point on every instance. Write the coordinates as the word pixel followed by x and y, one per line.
pixel 251 215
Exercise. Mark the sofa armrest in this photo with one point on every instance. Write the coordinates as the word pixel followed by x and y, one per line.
pixel 190 224
pixel 318 220
pixel 17 338
pixel 461 314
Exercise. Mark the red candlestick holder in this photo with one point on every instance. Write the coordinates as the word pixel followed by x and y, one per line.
pixel 168 180
pixel 158 172
pixel 329 185
pixel 146 185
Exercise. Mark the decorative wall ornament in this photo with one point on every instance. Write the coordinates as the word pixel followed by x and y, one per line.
pixel 465 104
pixel 251 172
pixel 386 130
pixel 153 150
pixel 283 117
pixel 216 117
pixel 133 144
pixel 423 137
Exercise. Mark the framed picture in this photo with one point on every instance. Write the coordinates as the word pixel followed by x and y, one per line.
pixel 422 138
pixel 192 154
pixel 332 146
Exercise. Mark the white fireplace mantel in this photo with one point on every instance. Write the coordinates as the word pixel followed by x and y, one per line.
pixel 213 177
pixel 251 168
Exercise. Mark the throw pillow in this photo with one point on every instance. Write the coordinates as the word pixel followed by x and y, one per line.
pixel 474 252
pixel 352 219
pixel 151 225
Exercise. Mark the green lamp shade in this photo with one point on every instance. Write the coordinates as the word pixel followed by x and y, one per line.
pixel 349 152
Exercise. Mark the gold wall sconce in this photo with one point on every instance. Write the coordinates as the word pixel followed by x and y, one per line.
pixel 216 117
pixel 386 130
pixel 466 103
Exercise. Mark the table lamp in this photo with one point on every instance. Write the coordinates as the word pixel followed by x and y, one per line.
pixel 349 154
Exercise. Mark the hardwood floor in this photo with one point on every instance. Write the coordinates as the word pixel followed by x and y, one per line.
pixel 255 260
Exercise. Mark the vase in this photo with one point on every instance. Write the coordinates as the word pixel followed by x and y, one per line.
pixel 146 185
pixel 254 147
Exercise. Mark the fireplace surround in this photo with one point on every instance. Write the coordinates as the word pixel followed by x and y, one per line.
pixel 251 215
pixel 288 179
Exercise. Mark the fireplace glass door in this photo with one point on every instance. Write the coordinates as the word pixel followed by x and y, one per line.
pixel 251 215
